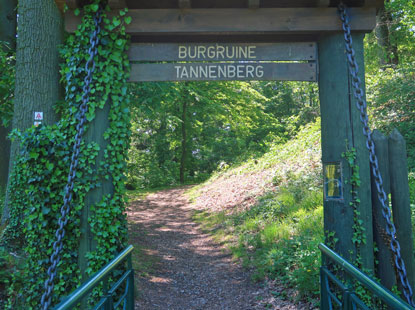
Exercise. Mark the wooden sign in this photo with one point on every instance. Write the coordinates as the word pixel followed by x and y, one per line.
pixel 222 51
pixel 242 71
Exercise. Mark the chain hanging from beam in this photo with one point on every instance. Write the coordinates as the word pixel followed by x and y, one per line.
pixel 80 127
pixel 361 105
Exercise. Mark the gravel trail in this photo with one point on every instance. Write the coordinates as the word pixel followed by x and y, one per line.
pixel 189 270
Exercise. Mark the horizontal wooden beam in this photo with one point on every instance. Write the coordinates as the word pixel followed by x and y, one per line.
pixel 223 72
pixel 299 51
pixel 228 21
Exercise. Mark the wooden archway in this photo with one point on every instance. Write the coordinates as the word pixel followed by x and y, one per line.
pixel 164 24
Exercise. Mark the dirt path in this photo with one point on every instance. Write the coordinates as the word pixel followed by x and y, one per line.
pixel 189 270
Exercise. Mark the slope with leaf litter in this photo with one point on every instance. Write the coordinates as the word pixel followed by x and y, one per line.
pixel 269 212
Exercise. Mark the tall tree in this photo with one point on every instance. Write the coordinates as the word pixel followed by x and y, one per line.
pixel 184 139
pixel 388 50
pixel 8 19
pixel 37 88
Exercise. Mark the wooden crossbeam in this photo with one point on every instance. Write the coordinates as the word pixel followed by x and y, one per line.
pixel 228 21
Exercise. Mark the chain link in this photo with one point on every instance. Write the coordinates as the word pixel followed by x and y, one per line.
pixel 361 105
pixel 80 127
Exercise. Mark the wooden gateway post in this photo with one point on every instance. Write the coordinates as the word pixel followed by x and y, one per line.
pixel 247 40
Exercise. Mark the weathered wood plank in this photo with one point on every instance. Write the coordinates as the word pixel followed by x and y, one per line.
pixel 159 4
pixel 226 21
pixel 223 72
pixel 185 4
pixel 323 3
pixel 117 4
pixel 398 166
pixel 222 52
pixel 385 269
pixel 362 156
pixel 253 4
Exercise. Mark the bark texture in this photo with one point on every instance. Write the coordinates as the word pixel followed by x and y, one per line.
pixel 40 31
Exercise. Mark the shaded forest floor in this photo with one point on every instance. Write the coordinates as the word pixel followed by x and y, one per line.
pixel 178 266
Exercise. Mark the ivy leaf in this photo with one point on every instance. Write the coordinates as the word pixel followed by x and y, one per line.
pixel 45 210
pixel 49 166
pixel 77 12
pixel 94 7
pixel 33 154
pixel 128 20
pixel 116 22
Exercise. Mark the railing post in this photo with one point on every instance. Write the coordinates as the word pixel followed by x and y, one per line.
pixel 347 301
pixel 130 283
pixel 324 301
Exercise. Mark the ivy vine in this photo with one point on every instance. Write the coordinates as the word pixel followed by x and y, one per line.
pixel 359 236
pixel 40 174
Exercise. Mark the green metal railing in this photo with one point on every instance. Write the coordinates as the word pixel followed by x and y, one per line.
pixel 335 294
pixel 107 302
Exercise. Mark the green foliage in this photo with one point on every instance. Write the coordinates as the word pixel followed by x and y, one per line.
pixel 226 123
pixel 6 84
pixel 41 170
pixel 391 88
pixel 391 92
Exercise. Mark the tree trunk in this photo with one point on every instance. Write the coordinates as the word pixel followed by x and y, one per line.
pixel 8 19
pixel 388 51
pixel 184 146
pixel 40 31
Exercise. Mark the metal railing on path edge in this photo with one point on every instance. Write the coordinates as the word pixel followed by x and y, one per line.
pixel 126 300
pixel 343 295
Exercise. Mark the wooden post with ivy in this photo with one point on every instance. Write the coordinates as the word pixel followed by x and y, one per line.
pixel 94 134
pixel 348 221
